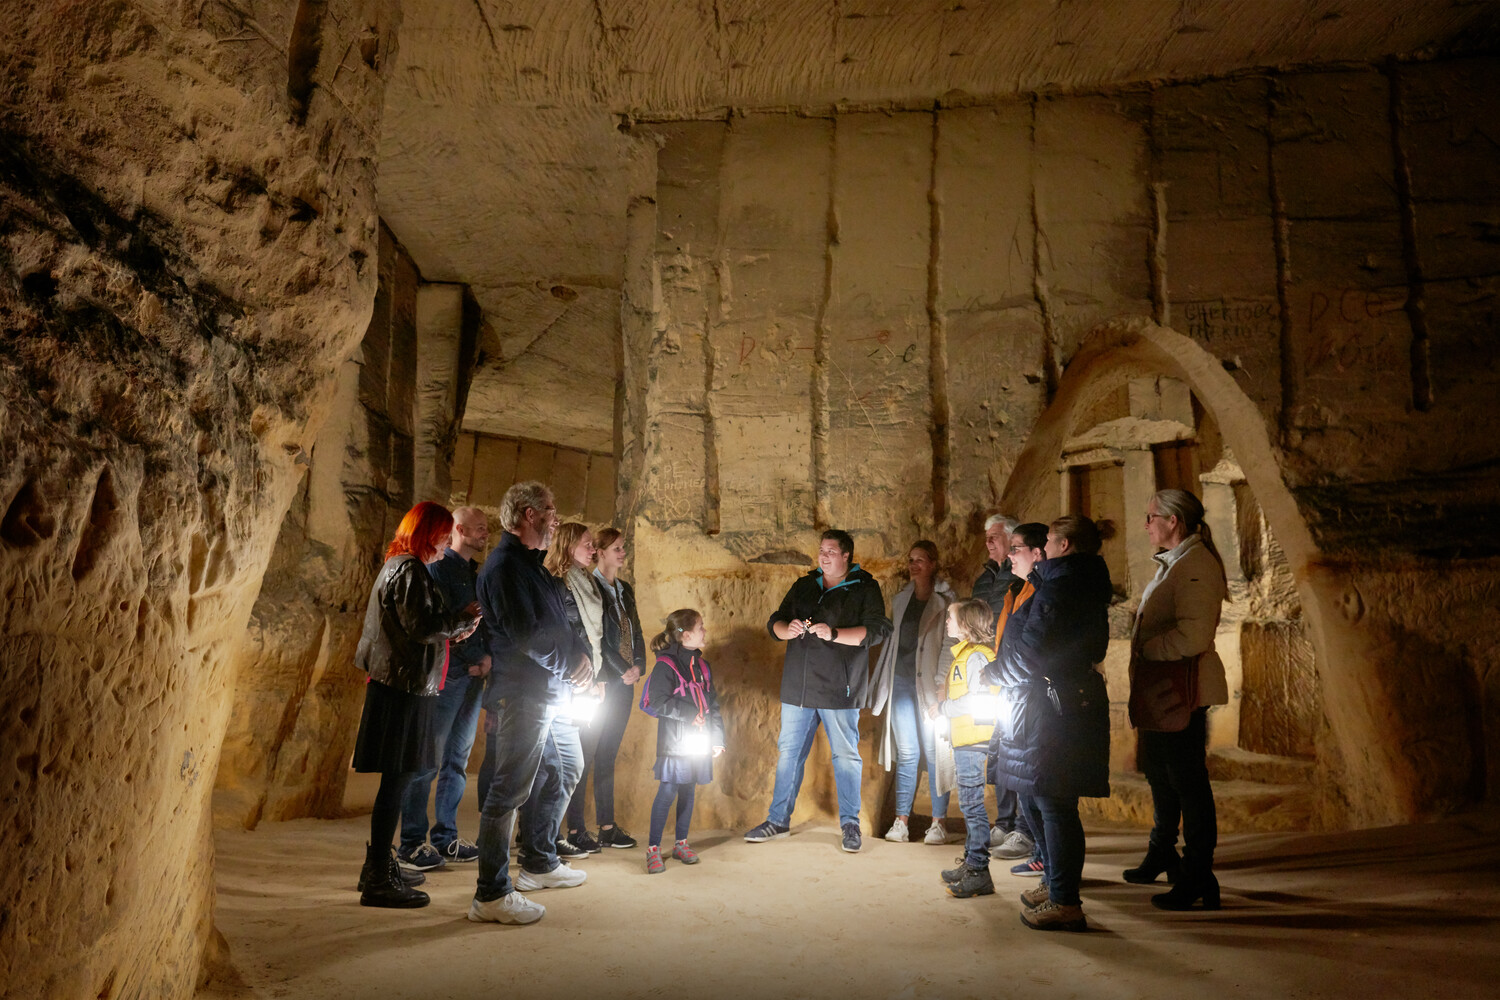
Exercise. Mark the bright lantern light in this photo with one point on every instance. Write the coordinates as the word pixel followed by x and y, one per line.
pixel 583 708
pixel 696 745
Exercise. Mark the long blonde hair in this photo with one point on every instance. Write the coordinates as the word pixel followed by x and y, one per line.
pixel 560 553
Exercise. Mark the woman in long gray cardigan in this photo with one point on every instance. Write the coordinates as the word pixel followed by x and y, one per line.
pixel 909 680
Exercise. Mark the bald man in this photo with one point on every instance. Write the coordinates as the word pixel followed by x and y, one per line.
pixel 457 711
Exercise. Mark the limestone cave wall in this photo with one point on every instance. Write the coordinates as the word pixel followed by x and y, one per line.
pixel 858 319
pixel 388 441
pixel 188 251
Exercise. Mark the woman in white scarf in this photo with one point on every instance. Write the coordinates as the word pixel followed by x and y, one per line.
pixel 909 679
pixel 569 558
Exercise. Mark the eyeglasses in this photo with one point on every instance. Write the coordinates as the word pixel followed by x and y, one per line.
pixel 1150 516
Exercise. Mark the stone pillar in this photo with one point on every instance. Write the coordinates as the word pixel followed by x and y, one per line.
pixel 440 338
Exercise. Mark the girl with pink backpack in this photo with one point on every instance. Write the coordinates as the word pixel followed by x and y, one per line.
pixel 689 729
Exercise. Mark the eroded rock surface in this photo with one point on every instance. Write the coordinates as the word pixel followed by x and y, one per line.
pixel 189 239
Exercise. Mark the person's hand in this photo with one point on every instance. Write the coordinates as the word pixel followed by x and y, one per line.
pixel 823 631
pixel 472 610
pixel 795 627
pixel 631 676
pixel 482 668
pixel 718 751
pixel 935 711
pixel 582 675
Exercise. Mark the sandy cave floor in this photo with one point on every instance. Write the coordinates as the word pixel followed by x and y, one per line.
pixel 1400 912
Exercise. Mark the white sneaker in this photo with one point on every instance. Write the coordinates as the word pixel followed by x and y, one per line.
pixel 898 833
pixel 561 877
pixel 511 908
pixel 1013 845
pixel 936 834
pixel 997 836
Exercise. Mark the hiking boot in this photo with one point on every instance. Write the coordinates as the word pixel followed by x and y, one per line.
pixel 654 863
pixel 616 837
pixel 382 884
pixel 766 831
pixel 851 840
pixel 936 833
pixel 682 852
pixel 1029 869
pixel 1050 916
pixel 954 874
pixel 1035 896
pixel 898 833
pixel 1014 845
pixel 422 858
pixel 584 842
pixel 460 852
pixel 561 877
pixel 973 882
pixel 1158 861
pixel 511 908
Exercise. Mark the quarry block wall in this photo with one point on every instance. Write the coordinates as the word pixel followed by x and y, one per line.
pixel 856 319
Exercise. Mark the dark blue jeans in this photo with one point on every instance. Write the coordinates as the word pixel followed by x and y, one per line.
pixel 1029 822
pixel 517 749
pixel 541 815
pixel 1007 810
pixel 1063 856
pixel 665 793
pixel 1176 767
pixel 454 719
pixel 969 764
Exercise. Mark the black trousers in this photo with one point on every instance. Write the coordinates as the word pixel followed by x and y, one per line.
pixel 601 745
pixel 1176 767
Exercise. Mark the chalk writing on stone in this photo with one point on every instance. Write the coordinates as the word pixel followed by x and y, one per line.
pixel 1229 321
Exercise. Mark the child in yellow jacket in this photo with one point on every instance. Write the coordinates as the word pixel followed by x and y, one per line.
pixel 970 707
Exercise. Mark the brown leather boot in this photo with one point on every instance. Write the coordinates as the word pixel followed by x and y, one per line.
pixel 1050 916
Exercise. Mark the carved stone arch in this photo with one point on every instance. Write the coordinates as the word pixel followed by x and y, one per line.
pixel 1363 776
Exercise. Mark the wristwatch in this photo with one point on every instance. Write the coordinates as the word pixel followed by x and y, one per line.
pixel 833 633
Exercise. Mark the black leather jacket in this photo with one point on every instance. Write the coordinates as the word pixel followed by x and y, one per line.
pixel 613 661
pixel 406 628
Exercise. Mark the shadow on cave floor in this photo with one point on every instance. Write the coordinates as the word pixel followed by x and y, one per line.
pixel 1390 912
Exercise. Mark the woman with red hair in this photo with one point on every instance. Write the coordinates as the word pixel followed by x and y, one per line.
pixel 404 650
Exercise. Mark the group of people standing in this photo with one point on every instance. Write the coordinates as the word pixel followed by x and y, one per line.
pixel 546 638
pixel 1003 687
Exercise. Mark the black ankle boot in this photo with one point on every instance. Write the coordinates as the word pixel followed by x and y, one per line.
pixel 408 875
pixel 1158 861
pixel 1190 888
pixel 381 883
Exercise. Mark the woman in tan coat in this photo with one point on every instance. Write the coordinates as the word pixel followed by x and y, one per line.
pixel 1175 675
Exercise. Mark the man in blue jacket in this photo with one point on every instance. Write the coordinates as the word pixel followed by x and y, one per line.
pixel 534 654
pixel 828 619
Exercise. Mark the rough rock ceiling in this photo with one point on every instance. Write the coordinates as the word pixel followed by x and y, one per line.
pixel 502 164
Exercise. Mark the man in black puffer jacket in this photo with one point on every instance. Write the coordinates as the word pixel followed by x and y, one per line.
pixel 829 619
